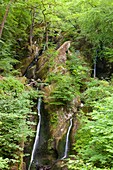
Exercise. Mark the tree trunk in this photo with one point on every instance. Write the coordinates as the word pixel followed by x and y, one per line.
pixel 4 18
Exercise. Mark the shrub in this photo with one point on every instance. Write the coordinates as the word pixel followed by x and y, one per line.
pixel 68 85
pixel 4 163
pixel 65 90
pixel 94 138
pixel 16 107
pixel 78 68
pixel 96 90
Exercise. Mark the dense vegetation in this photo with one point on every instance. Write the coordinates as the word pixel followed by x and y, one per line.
pixel 94 139
pixel 68 86
pixel 16 109
pixel 89 25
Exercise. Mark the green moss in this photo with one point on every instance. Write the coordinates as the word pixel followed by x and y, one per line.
pixel 43 71
pixel 54 119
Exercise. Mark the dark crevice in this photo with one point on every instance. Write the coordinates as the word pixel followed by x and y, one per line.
pixel 104 69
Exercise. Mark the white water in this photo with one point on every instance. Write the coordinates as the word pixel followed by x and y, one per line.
pixel 94 70
pixel 67 140
pixel 37 134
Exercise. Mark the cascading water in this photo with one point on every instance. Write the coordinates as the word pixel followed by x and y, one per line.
pixel 67 139
pixel 95 64
pixel 95 69
pixel 37 134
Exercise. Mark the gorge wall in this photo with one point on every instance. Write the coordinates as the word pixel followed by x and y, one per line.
pixel 50 74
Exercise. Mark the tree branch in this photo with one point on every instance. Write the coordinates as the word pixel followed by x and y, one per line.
pixel 4 18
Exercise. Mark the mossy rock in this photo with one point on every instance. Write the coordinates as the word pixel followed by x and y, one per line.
pixel 31 72
pixel 24 63
pixel 42 67
pixel 42 72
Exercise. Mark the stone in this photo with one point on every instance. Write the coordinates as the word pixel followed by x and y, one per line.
pixel 62 52
pixel 31 72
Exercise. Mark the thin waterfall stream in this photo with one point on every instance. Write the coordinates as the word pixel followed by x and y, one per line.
pixel 37 134
pixel 94 69
pixel 67 140
pixel 95 64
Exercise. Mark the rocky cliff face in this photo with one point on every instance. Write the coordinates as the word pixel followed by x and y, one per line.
pixel 54 63
pixel 59 116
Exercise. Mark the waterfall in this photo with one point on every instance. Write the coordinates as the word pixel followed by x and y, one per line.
pixel 37 134
pixel 95 64
pixel 95 69
pixel 67 140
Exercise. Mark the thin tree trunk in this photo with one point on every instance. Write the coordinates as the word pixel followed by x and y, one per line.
pixel 4 18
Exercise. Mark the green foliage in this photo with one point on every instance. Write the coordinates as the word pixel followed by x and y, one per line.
pixel 16 107
pixel 4 163
pixel 54 119
pixel 76 163
pixel 54 22
pixel 108 54
pixel 14 35
pixel 6 59
pixel 98 148
pixel 96 90
pixel 66 89
pixel 95 20
pixel 94 139
pixel 11 85
pixel 67 86
pixel 78 67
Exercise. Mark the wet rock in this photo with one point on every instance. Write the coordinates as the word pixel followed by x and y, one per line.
pixel 42 72
pixel 44 167
pixel 25 63
pixel 31 72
